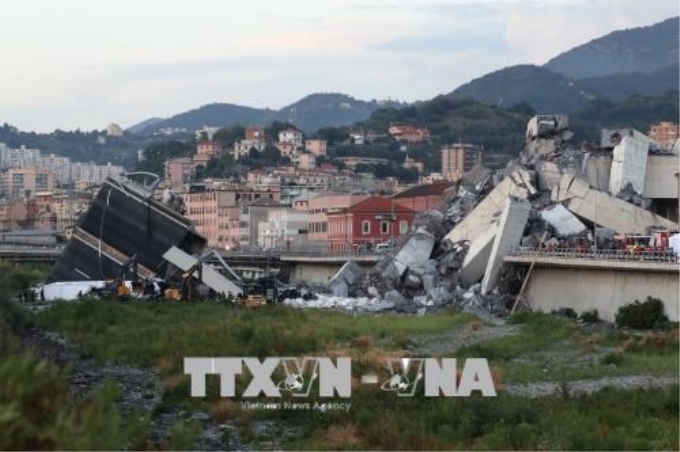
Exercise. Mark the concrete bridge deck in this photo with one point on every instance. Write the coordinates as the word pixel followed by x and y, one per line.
pixel 604 281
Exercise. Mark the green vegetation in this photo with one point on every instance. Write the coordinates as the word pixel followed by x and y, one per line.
pixel 143 334
pixel 554 348
pixel 82 146
pixel 638 111
pixel 647 315
pixel 155 155
pixel 546 348
pixel 36 411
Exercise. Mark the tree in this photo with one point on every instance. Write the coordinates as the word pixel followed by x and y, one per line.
pixel 254 154
pixel 271 155
pixel 228 136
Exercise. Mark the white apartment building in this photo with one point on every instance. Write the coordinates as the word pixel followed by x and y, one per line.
pixel 291 136
pixel 284 226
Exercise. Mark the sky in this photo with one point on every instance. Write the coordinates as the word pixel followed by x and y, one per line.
pixel 71 64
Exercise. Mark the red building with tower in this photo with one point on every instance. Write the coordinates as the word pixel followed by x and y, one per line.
pixel 367 223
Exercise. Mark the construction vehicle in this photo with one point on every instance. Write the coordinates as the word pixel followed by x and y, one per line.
pixel 118 287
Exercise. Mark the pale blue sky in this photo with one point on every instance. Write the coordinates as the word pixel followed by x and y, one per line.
pixel 85 63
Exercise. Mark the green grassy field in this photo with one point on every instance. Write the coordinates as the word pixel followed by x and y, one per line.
pixel 162 334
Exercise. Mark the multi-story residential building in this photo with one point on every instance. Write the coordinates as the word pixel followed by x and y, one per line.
pixel 319 205
pixel 179 170
pixel 408 133
pixel 316 146
pixel 59 166
pixel 287 148
pixel 352 161
pixel 243 147
pixel 291 136
pixel 114 130
pixel 206 150
pixel 283 228
pixel 207 209
pixel 255 134
pixel 458 159
pixel 91 174
pixel 232 233
pixel 12 215
pixel 26 182
pixel 5 156
pixel 367 223
pixel 423 197
pixel 23 157
pixel 251 215
pixel 665 134
pixel 305 161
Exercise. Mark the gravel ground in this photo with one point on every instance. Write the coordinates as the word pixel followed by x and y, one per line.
pixel 584 387
pixel 450 341
pixel 139 391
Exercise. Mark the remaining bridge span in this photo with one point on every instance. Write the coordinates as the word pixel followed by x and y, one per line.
pixel 604 281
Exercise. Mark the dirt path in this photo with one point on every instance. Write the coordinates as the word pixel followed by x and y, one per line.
pixel 139 391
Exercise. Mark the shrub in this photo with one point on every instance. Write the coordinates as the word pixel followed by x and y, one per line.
pixel 642 316
pixel 565 312
pixel 590 317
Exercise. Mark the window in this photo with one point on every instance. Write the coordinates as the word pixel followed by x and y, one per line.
pixel 384 227
pixel 403 227
pixel 366 227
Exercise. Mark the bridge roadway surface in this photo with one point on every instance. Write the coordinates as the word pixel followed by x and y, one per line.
pixel 51 254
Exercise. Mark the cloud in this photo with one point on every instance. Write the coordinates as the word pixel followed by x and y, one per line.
pixel 538 31
pixel 82 63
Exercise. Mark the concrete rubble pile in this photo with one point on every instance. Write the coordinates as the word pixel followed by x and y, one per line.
pixel 552 195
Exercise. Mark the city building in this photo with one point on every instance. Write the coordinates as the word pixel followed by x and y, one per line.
pixel 408 133
pixel 206 150
pixel 251 215
pixel 255 134
pixel 316 147
pixel 665 134
pixel 305 161
pixel 243 147
pixel 319 205
pixel 424 197
pixel 367 223
pixel 179 170
pixel 114 130
pixel 207 210
pixel 458 159
pixel 26 182
pixel 291 136
pixel 284 228
pixel 351 162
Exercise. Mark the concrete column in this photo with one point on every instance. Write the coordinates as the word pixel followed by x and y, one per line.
pixel 509 234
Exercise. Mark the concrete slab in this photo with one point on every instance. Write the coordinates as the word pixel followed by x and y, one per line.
pixel 549 175
pixel 563 222
pixel 510 231
pixel 416 251
pixel 484 215
pixel 477 257
pixel 607 210
pixel 209 276
pixel 629 164
pixel 597 169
